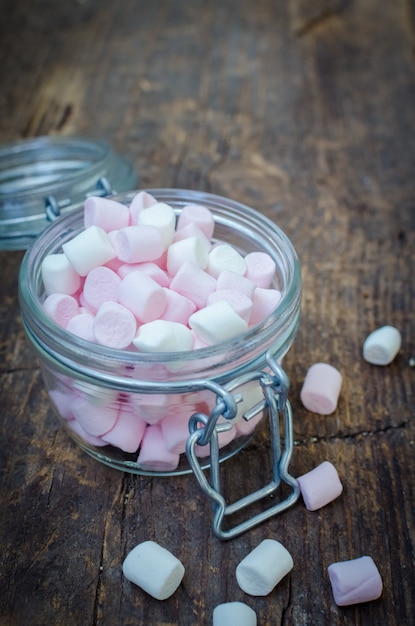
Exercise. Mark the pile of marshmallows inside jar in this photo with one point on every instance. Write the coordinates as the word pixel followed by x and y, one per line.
pixel 139 278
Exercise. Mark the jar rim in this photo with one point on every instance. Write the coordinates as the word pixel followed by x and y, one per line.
pixel 228 213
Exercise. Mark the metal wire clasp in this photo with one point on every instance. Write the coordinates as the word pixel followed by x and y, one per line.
pixel 204 430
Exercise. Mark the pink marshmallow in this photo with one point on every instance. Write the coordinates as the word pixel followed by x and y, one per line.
pixel 193 250
pixel 263 303
pixel 260 268
pixel 151 269
pixel 175 430
pixel 61 308
pixel 101 285
pixel 81 325
pixel 105 213
pixel 191 230
pixel 231 280
pixel 154 455
pixel 77 428
pixel 62 401
pixel 142 200
pixel 59 276
pixel 320 486
pixel 151 407
pixel 199 215
pixel 321 389
pixel 240 303
pixel 127 432
pixel 136 244
pixel 193 283
pixel 95 418
pixel 355 581
pixel 114 326
pixel 143 296
pixel 88 249
pixel 178 308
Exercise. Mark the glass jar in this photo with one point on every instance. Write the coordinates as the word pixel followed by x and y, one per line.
pixel 227 388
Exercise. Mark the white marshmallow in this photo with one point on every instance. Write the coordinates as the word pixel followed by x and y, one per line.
pixel 263 568
pixel 192 249
pixel 234 613
pixel 217 322
pixel 153 568
pixel 382 346
pixel 163 217
pixel 225 257
pixel 163 336
pixel 90 248
pixel 59 276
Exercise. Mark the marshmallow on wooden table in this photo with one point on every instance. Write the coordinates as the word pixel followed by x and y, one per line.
pixel 127 431
pixel 82 325
pixel 263 568
pixel 264 301
pixel 162 217
pixel 142 200
pixel 154 568
pixel 228 279
pixel 61 308
pixel 355 581
pixel 192 249
pixel 199 215
pixel 143 296
pixel 59 276
pixel 217 322
pixel 178 308
pixel 136 244
pixel 321 389
pixel 101 285
pixel 114 326
pixel 260 268
pixel 320 486
pixel 193 283
pixel 153 454
pixel 382 346
pixel 234 614
pixel 241 304
pixel 224 256
pixel 105 213
pixel 88 249
pixel 163 336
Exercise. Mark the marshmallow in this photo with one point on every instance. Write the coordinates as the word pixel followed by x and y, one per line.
pixel 240 303
pixel 191 230
pixel 62 401
pixel 151 269
pixel 105 213
pixel 153 568
pixel 76 427
pixel 264 301
pixel 234 613
pixel 142 200
pixel 224 256
pixel 95 418
pixel 154 455
pixel 59 276
pixel 320 486
pixel 178 308
pixel 382 346
pixel 260 268
pixel 81 325
pixel 199 215
pixel 355 581
pixel 127 431
pixel 321 389
pixel 192 249
pixel 217 322
pixel 231 280
pixel 142 296
pixel 163 217
pixel 114 326
pixel 175 430
pixel 61 308
pixel 263 568
pixel 135 244
pixel 88 249
pixel 193 283
pixel 101 285
pixel 163 336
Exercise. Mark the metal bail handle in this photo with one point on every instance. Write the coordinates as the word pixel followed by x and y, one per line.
pixel 204 430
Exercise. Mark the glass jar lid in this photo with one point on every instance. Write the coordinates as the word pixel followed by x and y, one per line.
pixel 45 177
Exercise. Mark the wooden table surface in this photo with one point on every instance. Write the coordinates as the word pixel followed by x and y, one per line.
pixel 304 111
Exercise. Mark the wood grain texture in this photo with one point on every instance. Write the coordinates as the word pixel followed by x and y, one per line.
pixel 304 111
